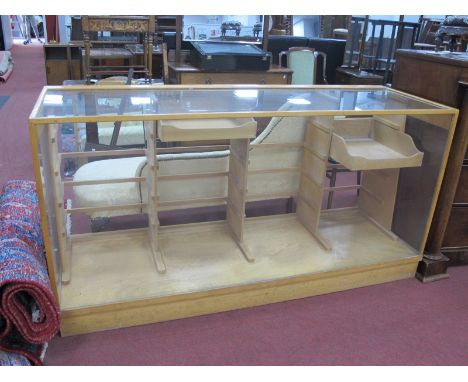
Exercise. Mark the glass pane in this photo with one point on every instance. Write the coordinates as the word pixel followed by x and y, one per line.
pixel 145 100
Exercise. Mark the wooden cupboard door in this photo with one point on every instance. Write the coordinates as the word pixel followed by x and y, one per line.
pixel 57 71
pixel 76 70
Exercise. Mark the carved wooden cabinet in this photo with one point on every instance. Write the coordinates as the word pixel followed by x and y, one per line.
pixel 143 26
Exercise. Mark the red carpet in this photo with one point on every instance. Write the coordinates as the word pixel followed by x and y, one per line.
pixel 399 323
pixel 23 87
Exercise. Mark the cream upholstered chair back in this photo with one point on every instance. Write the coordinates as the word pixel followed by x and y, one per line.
pixel 303 62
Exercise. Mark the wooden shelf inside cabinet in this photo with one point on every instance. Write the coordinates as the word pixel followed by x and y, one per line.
pixel 367 144
pixel 206 129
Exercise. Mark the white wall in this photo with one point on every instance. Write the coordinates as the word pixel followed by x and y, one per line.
pixel 64 28
pixel 306 26
pixel 7 35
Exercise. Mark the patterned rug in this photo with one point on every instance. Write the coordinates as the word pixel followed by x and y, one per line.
pixel 29 316
pixel 3 100
pixel 13 359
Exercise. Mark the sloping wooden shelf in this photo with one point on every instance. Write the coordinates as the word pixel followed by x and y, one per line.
pixel 373 145
pixel 206 129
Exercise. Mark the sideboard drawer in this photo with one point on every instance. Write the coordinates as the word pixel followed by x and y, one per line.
pixel 257 78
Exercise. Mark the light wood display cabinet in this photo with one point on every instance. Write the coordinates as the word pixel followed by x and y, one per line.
pixel 121 249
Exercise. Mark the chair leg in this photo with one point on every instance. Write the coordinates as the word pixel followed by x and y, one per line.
pixel 332 184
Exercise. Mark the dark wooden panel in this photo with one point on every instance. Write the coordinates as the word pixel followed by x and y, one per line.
pixel 415 73
pixel 462 190
pixel 456 234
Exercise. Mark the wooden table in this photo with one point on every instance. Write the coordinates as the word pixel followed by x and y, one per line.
pixel 184 73
pixel 442 77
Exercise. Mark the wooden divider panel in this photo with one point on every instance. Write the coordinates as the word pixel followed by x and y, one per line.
pixel 237 190
pixel 152 189
pixel 312 183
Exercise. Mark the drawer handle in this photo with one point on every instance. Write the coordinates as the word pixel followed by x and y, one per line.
pixel 262 81
pixel 208 81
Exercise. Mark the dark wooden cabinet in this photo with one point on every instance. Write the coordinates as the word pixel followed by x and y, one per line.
pixel 443 77
pixel 62 62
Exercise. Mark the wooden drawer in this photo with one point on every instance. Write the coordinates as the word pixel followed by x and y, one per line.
pixel 260 78
pixel 456 234
pixel 462 190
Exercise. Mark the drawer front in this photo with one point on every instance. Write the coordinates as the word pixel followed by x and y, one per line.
pixel 462 190
pixel 260 78
pixel 456 234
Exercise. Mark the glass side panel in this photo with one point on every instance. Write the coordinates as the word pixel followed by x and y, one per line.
pixel 63 102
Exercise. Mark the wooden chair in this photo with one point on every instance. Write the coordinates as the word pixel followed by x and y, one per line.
pixel 144 26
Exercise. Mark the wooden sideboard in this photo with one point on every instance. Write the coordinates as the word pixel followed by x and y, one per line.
pixel 186 74
pixel 443 77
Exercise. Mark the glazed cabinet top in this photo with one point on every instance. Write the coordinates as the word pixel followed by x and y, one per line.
pixel 58 104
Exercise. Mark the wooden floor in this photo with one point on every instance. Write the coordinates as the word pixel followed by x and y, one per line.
pixel 117 267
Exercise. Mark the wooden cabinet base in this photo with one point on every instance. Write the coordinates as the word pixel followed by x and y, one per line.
pixel 88 320
pixel 207 273
pixel 432 270
pixel 456 256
